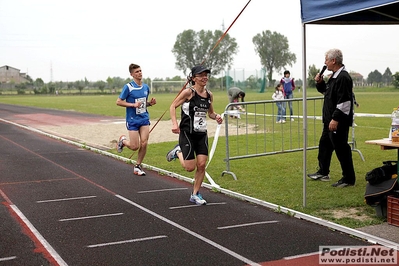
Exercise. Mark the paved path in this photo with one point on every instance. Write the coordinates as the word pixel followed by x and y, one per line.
pixel 63 205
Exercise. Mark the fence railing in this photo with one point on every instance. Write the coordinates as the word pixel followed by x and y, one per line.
pixel 255 131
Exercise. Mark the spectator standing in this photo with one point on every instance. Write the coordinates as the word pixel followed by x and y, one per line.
pixel 337 118
pixel 288 86
pixel 278 95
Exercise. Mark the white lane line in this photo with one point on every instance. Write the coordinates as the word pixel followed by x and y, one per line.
pixel 90 217
pixel 126 241
pixel 40 238
pixel 160 190
pixel 113 120
pixel 247 224
pixel 8 258
pixel 200 237
pixel 55 200
pixel 372 115
pixel 193 205
pixel 118 122
pixel 301 255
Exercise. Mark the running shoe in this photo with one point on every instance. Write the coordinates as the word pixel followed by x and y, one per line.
pixel 119 145
pixel 137 170
pixel 172 154
pixel 197 199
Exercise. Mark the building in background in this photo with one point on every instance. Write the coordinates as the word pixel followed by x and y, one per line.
pixel 12 75
pixel 357 79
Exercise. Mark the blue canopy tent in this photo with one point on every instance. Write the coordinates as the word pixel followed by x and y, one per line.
pixel 350 12
pixel 340 12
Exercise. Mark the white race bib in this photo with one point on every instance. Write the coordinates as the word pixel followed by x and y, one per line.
pixel 142 108
pixel 200 121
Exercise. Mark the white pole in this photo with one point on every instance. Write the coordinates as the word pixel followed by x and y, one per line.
pixel 305 112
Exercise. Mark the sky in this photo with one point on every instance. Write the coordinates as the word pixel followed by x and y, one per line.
pixel 73 40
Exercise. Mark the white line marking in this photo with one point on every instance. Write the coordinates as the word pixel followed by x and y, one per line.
pixel 301 256
pixel 113 120
pixel 8 258
pixel 161 190
pixel 41 239
pixel 54 200
pixel 90 217
pixel 372 115
pixel 126 241
pixel 247 224
pixel 193 205
pixel 200 237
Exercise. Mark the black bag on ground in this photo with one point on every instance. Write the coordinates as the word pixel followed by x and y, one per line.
pixel 382 173
pixel 376 195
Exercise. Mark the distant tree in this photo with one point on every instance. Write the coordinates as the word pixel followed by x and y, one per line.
pixel 312 72
pixel 192 48
pixel 221 82
pixel 110 83
pixel 273 50
pixel 51 88
pixel 38 83
pixel 175 78
pixel 298 82
pixel 29 78
pixel 387 77
pixel 100 85
pixel 252 82
pixel 145 80
pixel 59 84
pixel 395 80
pixel 38 86
pixel 21 88
pixel 374 78
pixel 119 82
pixel 79 84
pixel 70 85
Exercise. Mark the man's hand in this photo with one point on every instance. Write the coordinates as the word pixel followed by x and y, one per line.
pixel 318 78
pixel 153 101
pixel 333 125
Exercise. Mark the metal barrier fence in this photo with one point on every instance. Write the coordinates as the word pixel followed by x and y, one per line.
pixel 253 132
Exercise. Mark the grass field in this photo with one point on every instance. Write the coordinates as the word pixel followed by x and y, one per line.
pixel 278 178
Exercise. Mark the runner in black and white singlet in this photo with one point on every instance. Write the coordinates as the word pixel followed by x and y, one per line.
pixel 193 115
pixel 192 150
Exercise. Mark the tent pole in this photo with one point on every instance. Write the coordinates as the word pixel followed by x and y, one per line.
pixel 305 112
